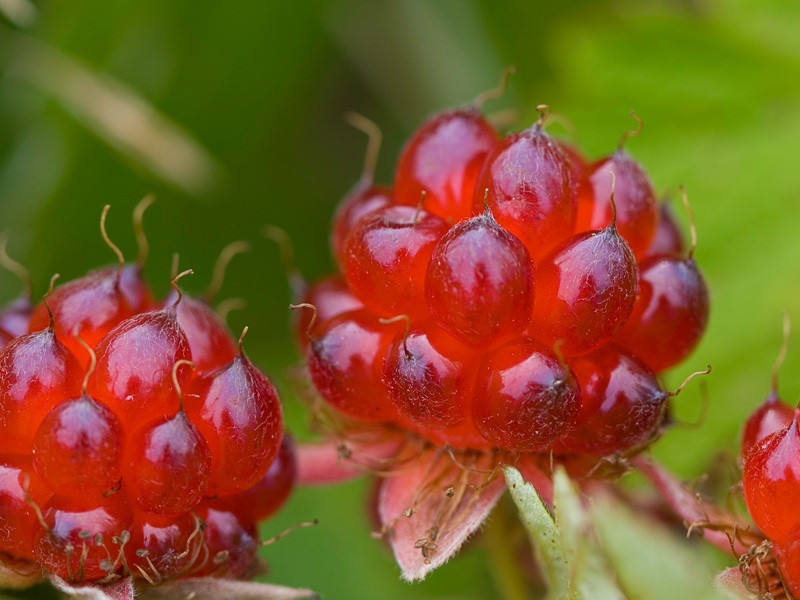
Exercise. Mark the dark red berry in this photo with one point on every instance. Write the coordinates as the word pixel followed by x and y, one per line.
pixel 429 376
pixel 668 238
pixel 269 493
pixel 636 206
pixel 345 362
pixel 622 404
pixel 670 313
pixel 530 190
pixel 524 399
pixel 479 284
pixel 585 291
pixel 78 448
pixel 237 411
pixel 167 466
pixel 36 372
pixel 231 544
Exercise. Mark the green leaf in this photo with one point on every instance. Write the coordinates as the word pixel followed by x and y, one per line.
pixel 651 562
pixel 571 562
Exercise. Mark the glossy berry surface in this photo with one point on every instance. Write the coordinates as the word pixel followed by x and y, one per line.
pixel 525 399
pixel 498 297
pixel 443 159
pixel 771 481
pixel 670 313
pixel 387 256
pixel 531 191
pixel 479 284
pixel 771 415
pixel 122 418
pixel 636 205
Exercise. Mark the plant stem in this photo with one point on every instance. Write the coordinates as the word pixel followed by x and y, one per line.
pixel 504 564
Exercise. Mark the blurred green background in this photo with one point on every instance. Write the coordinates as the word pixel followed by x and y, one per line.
pixel 232 114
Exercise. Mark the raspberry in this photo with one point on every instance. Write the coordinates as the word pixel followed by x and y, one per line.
pixel 499 296
pixel 108 470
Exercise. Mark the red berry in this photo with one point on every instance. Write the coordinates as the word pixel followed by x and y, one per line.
pixel 667 238
pixel 345 362
pixel 636 207
pixel 479 284
pixel 167 466
pixel 387 256
pixel 622 404
pixel 237 410
pixel 134 367
pixel 330 298
pixel 82 537
pixel 15 319
pixel 91 305
pixel 429 376
pixel 771 481
pixel 530 190
pixel 363 200
pixel 771 416
pixel 269 493
pixel 36 372
pixel 78 448
pixel 210 343
pixel 231 543
pixel 20 489
pixel 524 398
pixel 670 313
pixel 161 548
pixel 443 159
pixel 788 555
pixel 585 291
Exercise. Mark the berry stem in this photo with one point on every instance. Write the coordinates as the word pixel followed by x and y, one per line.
pixel 286 252
pixel 313 316
pixel 691 376
pixel 496 92
pixel 289 530
pixel 174 284
pixel 138 229
pixel 114 248
pixel 375 137
pixel 46 300
pixel 224 259
pixel 92 359
pixel 11 265
pixel 692 227
pixel 776 367
pixel 630 134
pixel 178 364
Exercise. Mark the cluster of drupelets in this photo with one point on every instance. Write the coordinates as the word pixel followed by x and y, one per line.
pixel 138 439
pixel 505 293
